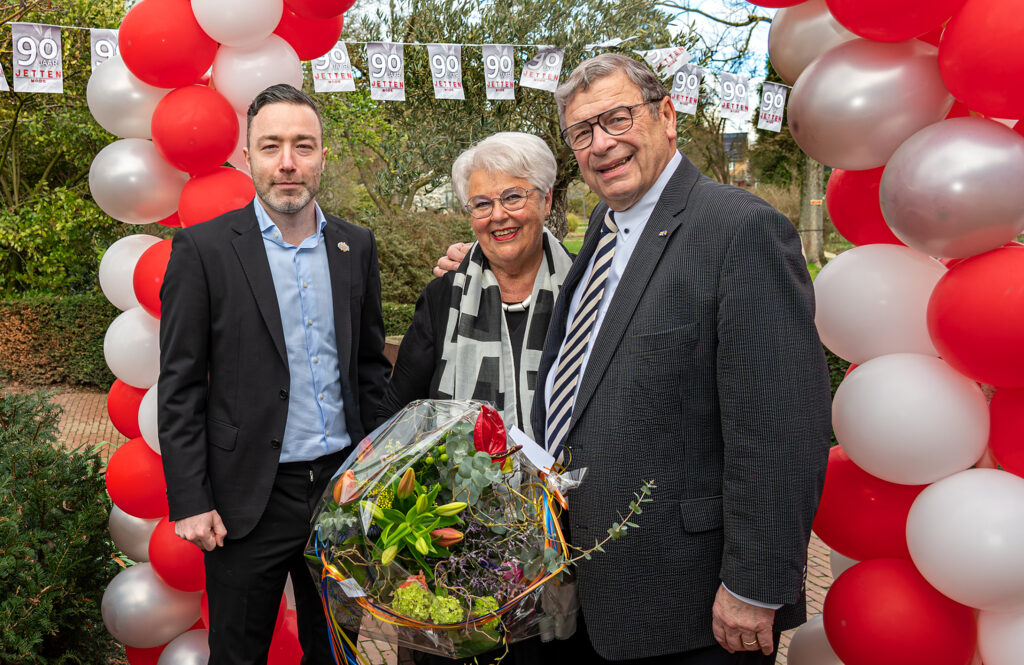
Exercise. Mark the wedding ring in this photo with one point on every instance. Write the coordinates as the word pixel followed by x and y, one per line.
pixel 750 644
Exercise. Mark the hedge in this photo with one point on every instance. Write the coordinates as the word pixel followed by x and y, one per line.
pixel 59 339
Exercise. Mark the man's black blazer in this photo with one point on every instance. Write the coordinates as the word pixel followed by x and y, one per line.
pixel 707 377
pixel 223 389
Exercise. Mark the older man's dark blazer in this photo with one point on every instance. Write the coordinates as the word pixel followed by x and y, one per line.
pixel 708 378
pixel 223 389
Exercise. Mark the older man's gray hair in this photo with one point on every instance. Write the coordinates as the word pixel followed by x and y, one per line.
pixel 590 71
pixel 512 153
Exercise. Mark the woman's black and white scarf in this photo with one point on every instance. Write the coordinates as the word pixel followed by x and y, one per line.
pixel 477 361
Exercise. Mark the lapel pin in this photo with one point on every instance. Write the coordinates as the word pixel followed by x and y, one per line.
pixel 663 233
pixel 343 246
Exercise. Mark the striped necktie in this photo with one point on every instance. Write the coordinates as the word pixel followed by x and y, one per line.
pixel 570 364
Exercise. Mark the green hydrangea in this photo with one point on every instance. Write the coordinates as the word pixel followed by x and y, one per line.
pixel 414 602
pixel 446 609
pixel 484 605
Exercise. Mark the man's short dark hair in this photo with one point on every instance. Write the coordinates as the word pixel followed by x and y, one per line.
pixel 281 93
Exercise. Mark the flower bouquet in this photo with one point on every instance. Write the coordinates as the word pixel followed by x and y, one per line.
pixel 438 530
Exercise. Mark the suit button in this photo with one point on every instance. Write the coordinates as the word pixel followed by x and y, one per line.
pixel 275 443
pixel 283 394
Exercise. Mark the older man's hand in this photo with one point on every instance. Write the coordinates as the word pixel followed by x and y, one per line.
pixel 205 530
pixel 452 258
pixel 740 626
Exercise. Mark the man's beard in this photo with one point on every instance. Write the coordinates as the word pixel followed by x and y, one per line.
pixel 287 205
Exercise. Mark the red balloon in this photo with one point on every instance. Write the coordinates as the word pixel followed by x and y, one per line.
pixel 853 205
pixel 135 480
pixel 123 407
pixel 976 317
pixel 195 129
pixel 162 44
pixel 932 37
pixel 849 369
pixel 178 562
pixel 981 59
pixel 144 656
pixel 1019 127
pixel 883 612
pixel 861 516
pixel 1006 436
pixel 207 196
pixel 149 276
pixel 887 21
pixel 320 9
pixel 310 37
pixel 171 220
pixel 284 647
pixel 959 110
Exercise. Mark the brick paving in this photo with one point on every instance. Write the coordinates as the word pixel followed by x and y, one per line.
pixel 85 422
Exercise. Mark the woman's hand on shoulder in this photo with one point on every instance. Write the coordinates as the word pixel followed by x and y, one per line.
pixel 452 258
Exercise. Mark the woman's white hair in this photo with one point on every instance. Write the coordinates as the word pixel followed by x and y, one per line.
pixel 513 153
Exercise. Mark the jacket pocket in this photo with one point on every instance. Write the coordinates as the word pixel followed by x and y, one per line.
pixel 702 514
pixel 220 434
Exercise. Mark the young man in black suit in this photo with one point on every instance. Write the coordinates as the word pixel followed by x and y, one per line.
pixel 272 364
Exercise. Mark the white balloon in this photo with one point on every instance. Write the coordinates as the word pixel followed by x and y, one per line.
pixel 237 158
pixel 190 648
pixel 801 33
pixel 999 635
pixel 966 536
pixel 873 300
pixel 839 563
pixel 122 104
pixel 242 72
pixel 117 267
pixel 131 348
pixel 238 22
pixel 147 420
pixel 141 611
pixel 809 646
pixel 131 534
pixel 911 419
pixel 132 183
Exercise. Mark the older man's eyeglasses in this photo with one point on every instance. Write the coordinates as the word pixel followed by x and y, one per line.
pixel 614 122
pixel 512 199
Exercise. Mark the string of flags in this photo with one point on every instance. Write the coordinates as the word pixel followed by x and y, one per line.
pixel 37 57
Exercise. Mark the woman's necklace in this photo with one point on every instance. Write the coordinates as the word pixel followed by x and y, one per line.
pixel 517 306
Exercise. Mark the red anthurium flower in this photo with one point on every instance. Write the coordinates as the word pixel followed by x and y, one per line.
pixel 489 434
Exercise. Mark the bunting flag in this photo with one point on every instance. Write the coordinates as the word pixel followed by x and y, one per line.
pixel 735 103
pixel 665 61
pixel 332 72
pixel 3 81
pixel 386 62
pixel 686 88
pixel 102 45
pixel 446 70
pixel 607 44
pixel 543 69
pixel 499 71
pixel 773 100
pixel 38 59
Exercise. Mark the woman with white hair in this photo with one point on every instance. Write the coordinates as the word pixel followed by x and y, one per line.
pixel 478 332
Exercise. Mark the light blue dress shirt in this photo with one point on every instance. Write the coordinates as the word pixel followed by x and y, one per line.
pixel 302 281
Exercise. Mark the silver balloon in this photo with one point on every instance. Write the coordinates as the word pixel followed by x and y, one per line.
pixel 801 33
pixel 141 611
pixel 956 188
pixel 809 645
pixel 121 103
pixel 191 648
pixel 853 106
pixel 131 534
pixel 132 183
pixel 839 563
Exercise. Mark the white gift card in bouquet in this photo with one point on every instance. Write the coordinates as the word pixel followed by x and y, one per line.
pixel 442 529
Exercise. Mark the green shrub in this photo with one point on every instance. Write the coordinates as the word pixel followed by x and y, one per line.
pixel 55 339
pixel 55 558
pixel 54 244
pixel 397 317
pixel 572 220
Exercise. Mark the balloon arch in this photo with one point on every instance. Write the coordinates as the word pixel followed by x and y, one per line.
pixel 915 104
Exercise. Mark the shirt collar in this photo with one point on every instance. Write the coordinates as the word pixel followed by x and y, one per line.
pixel 267 225
pixel 641 211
